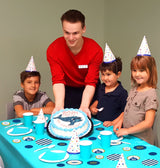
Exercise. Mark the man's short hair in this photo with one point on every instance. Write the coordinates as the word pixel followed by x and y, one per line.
pixel 73 16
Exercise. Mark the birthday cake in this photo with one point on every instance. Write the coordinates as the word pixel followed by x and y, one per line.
pixel 63 123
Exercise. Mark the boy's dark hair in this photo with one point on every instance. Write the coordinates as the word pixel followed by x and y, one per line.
pixel 73 16
pixel 26 74
pixel 115 66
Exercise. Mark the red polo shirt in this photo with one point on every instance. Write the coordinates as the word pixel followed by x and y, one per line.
pixel 74 70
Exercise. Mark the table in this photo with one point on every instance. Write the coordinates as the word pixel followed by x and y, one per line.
pixel 18 151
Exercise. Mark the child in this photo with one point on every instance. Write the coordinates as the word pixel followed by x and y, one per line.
pixel 30 99
pixel 139 113
pixel 111 94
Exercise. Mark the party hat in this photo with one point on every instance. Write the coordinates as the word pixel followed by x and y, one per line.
pixel 73 147
pixel 108 55
pixel 41 117
pixel 121 162
pixel 144 49
pixel 31 65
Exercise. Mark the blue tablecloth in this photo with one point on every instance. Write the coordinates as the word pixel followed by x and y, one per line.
pixel 18 151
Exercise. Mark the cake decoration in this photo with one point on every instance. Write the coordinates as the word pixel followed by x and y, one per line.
pixel 63 123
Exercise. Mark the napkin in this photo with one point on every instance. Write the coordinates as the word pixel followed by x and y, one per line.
pixel 121 162
pixel 20 130
pixel 73 147
pixel 54 155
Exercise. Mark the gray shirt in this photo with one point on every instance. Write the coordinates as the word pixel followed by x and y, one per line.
pixel 137 105
pixel 41 99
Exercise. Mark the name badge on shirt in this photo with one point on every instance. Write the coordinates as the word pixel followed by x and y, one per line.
pixel 82 66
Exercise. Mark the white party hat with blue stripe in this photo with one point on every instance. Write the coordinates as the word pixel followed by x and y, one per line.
pixel 108 55
pixel 74 147
pixel 144 49
pixel 31 65
pixel 121 162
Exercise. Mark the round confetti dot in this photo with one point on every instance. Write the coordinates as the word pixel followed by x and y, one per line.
pixel 74 162
pixel 16 140
pixel 99 157
pixel 140 147
pixel 16 120
pixel 62 144
pixel 98 150
pixel 5 123
pixel 126 148
pixel 92 138
pixel 93 162
pixel 43 141
pixel 99 129
pixel 133 158
pixel 28 138
pixel 28 146
pixel 150 162
pixel 113 157
pixel 152 153
pixel 60 165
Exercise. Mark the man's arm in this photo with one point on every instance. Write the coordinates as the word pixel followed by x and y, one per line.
pixel 87 96
pixel 59 95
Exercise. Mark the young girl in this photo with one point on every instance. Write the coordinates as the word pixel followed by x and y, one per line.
pixel 142 103
pixel 111 94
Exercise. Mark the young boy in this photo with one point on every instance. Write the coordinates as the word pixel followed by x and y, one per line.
pixel 30 99
pixel 112 96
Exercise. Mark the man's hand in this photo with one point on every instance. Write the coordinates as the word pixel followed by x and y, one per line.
pixel 86 110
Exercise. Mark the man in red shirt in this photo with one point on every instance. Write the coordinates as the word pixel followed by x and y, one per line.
pixel 74 62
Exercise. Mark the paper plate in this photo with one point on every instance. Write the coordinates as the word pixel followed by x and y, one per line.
pixel 96 122
pixel 54 156
pixel 86 134
pixel 114 138
pixel 19 131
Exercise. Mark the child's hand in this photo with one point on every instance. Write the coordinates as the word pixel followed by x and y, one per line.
pixel 107 123
pixel 121 132
pixel 94 110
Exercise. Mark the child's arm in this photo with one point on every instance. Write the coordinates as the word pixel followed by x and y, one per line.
pixel 46 110
pixel 93 108
pixel 115 121
pixel 19 111
pixel 140 127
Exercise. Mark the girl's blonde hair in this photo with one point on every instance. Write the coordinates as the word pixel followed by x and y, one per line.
pixel 148 64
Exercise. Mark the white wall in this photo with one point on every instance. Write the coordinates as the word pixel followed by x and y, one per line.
pixel 27 27
pixel 127 21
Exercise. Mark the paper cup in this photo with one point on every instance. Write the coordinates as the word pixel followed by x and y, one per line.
pixel 39 127
pixel 85 149
pixel 27 119
pixel 105 137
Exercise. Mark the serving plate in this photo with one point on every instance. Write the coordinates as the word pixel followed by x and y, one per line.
pixel 54 136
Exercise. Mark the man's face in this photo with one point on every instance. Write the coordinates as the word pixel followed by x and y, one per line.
pixel 73 33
